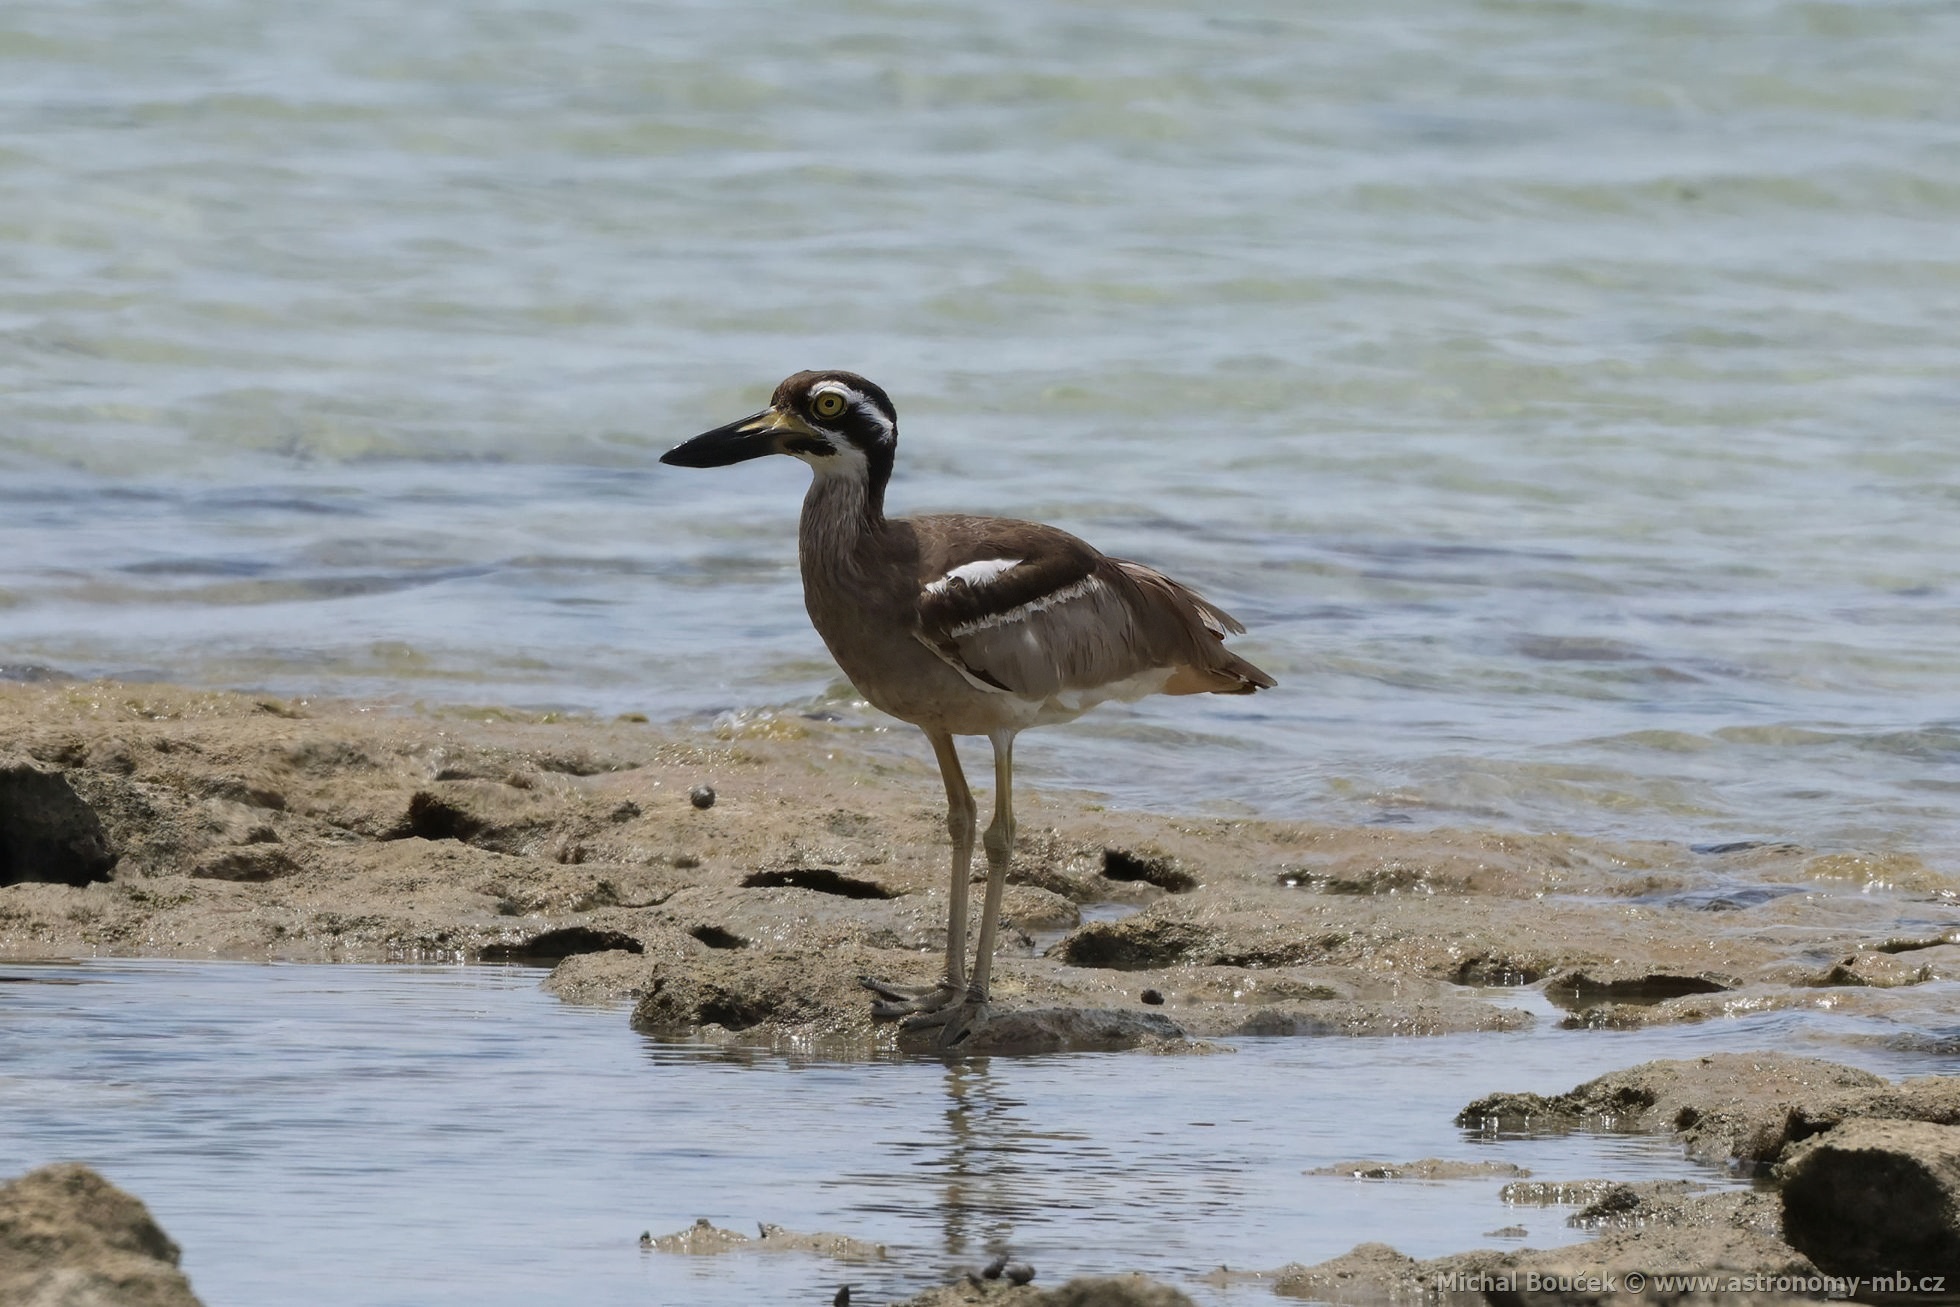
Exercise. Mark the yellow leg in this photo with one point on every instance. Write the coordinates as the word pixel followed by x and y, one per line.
pixel 962 817
pixel 999 843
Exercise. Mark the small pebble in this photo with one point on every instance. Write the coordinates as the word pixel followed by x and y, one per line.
pixel 1152 997
pixel 992 1270
pixel 1019 1272
pixel 702 796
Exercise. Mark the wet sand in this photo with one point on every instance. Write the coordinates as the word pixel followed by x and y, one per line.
pixel 249 827
pixel 257 828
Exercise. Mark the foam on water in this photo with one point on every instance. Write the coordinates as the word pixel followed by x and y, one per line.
pixel 1562 394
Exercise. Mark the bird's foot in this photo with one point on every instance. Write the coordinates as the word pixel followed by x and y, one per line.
pixel 909 1000
pixel 956 1023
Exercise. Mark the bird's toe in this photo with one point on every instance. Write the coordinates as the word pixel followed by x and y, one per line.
pixel 899 1001
pixel 961 1023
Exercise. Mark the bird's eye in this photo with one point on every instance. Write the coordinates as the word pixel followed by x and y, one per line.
pixel 827 404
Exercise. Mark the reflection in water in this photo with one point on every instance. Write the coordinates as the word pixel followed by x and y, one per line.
pixel 987 1183
pixel 454 1136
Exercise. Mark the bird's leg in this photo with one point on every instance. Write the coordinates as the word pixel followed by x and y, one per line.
pixel 972 1012
pixel 961 819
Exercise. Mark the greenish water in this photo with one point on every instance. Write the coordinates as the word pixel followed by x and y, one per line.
pixel 1565 394
pixel 407 1137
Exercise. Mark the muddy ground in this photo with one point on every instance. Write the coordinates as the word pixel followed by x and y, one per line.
pixel 249 827
pixel 242 826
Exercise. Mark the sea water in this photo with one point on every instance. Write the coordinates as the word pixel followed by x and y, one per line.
pixel 1564 394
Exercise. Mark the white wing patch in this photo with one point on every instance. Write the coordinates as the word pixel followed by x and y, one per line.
pixel 1088 585
pixel 972 574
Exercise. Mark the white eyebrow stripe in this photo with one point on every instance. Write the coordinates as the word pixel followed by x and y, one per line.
pixel 1088 585
pixel 972 574
pixel 885 428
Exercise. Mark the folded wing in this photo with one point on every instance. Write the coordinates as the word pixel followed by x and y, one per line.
pixel 1033 611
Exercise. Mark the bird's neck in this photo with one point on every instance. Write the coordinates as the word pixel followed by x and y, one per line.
pixel 844 508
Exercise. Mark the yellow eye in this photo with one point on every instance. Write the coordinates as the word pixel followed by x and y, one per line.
pixel 827 404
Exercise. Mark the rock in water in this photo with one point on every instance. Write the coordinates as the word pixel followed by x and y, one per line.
pixel 1876 1198
pixel 69 1238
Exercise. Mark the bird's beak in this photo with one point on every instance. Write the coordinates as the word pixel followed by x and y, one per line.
pixel 751 437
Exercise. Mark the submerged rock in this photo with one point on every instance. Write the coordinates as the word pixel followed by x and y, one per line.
pixel 1056 1030
pixel 1448 1016
pixel 1429 1168
pixel 69 1238
pixel 1727 1105
pixel 1087 1291
pixel 705 1239
pixel 1877 1198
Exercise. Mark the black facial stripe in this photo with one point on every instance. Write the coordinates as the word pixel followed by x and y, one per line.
pixel 809 445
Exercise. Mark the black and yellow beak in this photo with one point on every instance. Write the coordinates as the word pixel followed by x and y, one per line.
pixel 751 437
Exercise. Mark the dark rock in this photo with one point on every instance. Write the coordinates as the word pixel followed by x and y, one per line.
pixel 1153 997
pixel 702 797
pixel 1156 869
pixel 69 1238
pixel 1876 1198
pixel 1166 935
pixel 431 817
pixel 821 879
pixel 556 945
pixel 1585 987
pixel 46 832
pixel 1139 943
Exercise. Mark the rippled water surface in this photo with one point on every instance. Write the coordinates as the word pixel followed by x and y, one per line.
pixel 419 1136
pixel 1565 394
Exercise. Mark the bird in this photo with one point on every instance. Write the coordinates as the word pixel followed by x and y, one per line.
pixel 965 625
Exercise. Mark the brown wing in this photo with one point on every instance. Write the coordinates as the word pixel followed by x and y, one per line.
pixel 1032 610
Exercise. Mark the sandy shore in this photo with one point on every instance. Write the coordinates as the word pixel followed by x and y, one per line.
pixel 248 827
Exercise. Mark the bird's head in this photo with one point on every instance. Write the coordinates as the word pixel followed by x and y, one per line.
pixel 837 422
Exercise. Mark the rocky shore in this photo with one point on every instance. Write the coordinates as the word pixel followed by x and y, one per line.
pixel 732 885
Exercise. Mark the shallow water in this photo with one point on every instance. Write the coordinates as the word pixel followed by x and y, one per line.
pixel 1564 394
pixel 453 1135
